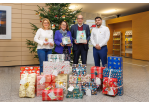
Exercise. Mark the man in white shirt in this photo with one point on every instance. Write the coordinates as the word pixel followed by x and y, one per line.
pixel 99 38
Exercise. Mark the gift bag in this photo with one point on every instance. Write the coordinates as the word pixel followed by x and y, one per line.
pixel 81 37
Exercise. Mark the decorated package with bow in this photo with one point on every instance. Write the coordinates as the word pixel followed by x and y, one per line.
pixel 56 57
pixel 61 81
pixel 89 88
pixel 29 70
pixel 54 68
pixel 118 74
pixel 49 81
pixel 52 94
pixel 115 62
pixel 79 69
pixel 109 86
pixel 40 84
pixel 77 80
pixel 74 93
pixel 27 85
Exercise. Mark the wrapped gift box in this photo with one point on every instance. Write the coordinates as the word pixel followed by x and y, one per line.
pixel 52 94
pixel 109 86
pixel 49 81
pixel 66 40
pixel 79 69
pixel 29 70
pixel 67 57
pixel 27 85
pixel 81 36
pixel 78 95
pixel 96 72
pixel 89 85
pixel 75 93
pixel 59 67
pixel 56 57
pixel 61 81
pixel 118 74
pixel 115 62
pixel 40 84
pixel 77 80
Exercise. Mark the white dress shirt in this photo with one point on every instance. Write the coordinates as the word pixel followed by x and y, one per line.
pixel 100 35
pixel 80 25
pixel 40 37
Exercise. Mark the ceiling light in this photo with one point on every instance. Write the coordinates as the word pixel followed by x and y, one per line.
pixel 72 7
pixel 110 11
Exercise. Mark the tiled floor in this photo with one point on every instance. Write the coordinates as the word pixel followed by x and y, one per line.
pixel 136 85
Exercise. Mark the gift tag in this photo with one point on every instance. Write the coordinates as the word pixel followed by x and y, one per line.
pixel 111 92
pixel 88 92
pixel 23 81
pixel 98 81
pixel 52 95
pixel 42 80
pixel 70 88
pixel 55 73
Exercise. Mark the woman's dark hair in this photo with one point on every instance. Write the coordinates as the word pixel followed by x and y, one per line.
pixel 67 27
pixel 98 17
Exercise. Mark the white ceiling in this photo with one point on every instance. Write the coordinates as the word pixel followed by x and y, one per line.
pixel 121 8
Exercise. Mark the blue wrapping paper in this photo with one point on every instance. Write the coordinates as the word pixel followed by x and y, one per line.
pixel 79 69
pixel 90 85
pixel 115 73
pixel 115 62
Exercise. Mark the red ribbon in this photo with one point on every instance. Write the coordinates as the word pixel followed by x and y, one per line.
pixel 50 83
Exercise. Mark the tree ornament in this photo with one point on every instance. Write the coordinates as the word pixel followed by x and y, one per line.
pixel 55 15
pixel 63 16
pixel 53 26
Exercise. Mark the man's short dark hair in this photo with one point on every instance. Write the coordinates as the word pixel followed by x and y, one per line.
pixel 98 17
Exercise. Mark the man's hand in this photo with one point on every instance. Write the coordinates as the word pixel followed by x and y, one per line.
pixel 69 44
pixel 75 41
pixel 98 47
pixel 51 44
pixel 85 42
pixel 62 44
pixel 45 43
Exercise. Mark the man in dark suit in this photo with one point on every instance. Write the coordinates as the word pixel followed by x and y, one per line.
pixel 80 48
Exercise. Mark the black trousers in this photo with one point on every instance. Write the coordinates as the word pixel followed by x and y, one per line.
pixel 80 51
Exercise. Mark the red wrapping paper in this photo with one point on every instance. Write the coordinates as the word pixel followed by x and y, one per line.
pixel 29 69
pixel 57 93
pixel 40 86
pixel 110 86
pixel 99 72
pixel 50 81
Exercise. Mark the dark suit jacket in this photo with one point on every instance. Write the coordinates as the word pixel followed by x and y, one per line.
pixel 73 31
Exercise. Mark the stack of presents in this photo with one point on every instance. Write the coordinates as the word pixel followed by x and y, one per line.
pixel 56 79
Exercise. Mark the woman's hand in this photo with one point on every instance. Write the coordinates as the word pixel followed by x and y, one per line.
pixel 62 44
pixel 51 44
pixel 69 44
pixel 45 43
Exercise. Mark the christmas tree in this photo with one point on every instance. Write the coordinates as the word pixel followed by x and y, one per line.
pixel 56 13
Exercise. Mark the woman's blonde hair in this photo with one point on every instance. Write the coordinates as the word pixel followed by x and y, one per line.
pixel 45 19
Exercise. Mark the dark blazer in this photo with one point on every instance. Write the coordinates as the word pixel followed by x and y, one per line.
pixel 73 31
pixel 58 39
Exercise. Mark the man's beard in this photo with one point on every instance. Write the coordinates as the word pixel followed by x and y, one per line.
pixel 98 24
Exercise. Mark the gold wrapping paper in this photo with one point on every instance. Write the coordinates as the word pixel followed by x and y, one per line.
pixel 27 89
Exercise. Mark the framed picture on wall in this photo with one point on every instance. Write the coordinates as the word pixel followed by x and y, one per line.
pixel 5 22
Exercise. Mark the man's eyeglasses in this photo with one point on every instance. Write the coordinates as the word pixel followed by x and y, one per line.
pixel 80 18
